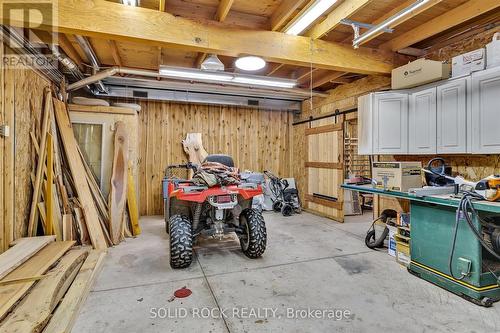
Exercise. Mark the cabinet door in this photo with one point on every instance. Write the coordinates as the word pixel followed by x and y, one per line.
pixel 486 112
pixel 365 126
pixel 452 117
pixel 422 122
pixel 390 123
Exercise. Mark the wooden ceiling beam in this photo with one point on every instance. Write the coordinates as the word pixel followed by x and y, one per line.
pixel 456 16
pixel 329 77
pixel 405 18
pixel 115 53
pixel 344 10
pixel 223 9
pixel 152 27
pixel 70 50
pixel 284 12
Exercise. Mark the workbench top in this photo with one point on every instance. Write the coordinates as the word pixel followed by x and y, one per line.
pixel 444 200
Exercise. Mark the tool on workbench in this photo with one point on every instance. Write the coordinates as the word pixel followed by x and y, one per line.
pixel 437 173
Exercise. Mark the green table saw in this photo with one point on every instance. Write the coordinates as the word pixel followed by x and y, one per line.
pixel 432 228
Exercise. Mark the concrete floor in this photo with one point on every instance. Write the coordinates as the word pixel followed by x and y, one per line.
pixel 310 262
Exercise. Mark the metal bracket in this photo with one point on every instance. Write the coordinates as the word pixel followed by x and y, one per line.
pixel 357 25
pixel 5 131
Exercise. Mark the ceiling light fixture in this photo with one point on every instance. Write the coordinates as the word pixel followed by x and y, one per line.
pixel 396 17
pixel 224 77
pixel 310 15
pixel 250 63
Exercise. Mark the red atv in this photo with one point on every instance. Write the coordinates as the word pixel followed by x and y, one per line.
pixel 191 210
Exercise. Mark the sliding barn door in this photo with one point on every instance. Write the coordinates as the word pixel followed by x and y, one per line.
pixel 324 167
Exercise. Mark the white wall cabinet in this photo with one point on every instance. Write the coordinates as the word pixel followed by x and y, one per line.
pixel 383 123
pixel 485 112
pixel 452 116
pixel 422 122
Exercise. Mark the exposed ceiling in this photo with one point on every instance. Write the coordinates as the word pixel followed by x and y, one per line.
pixel 425 29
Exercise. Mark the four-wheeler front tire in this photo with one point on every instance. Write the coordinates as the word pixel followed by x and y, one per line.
pixel 181 241
pixel 287 210
pixel 277 206
pixel 254 239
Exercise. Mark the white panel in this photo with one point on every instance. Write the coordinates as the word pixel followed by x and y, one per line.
pixel 391 123
pixel 486 112
pixel 452 117
pixel 365 125
pixel 422 122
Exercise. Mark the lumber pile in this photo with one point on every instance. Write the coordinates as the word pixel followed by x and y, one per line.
pixel 44 283
pixel 67 201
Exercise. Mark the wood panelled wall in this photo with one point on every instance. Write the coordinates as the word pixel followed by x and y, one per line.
pixel 256 139
pixel 22 97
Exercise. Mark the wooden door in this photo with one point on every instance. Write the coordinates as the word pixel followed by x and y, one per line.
pixel 324 168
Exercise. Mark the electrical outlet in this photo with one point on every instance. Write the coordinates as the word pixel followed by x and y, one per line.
pixel 5 130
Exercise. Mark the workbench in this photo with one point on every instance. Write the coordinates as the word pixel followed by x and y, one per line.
pixel 432 228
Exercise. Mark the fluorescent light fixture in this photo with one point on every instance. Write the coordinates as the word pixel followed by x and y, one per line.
pixel 250 63
pixel 225 77
pixel 309 16
pixel 132 3
pixel 396 17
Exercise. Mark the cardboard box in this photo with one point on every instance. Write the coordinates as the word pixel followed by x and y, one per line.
pixel 402 251
pixel 419 72
pixel 397 176
pixel 493 52
pixel 469 62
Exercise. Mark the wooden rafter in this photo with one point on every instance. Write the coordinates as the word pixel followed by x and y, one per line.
pixel 274 69
pixel 199 59
pixel 306 77
pixel 163 29
pixel 344 10
pixel 70 50
pixel 223 9
pixel 329 77
pixel 115 53
pixel 456 16
pixel 396 10
pixel 284 12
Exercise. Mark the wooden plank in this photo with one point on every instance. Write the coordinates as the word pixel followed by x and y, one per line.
pixel 344 10
pixel 132 203
pixel 24 249
pixel 324 202
pixel 22 280
pixel 67 227
pixel 161 29
pixel 118 192
pixel 456 16
pixel 324 165
pixel 9 213
pixel 101 109
pixel 3 245
pixel 33 312
pixel 49 207
pixel 223 9
pixel 323 129
pixel 65 315
pixel 33 219
pixel 284 12
pixel 74 160
pixel 36 265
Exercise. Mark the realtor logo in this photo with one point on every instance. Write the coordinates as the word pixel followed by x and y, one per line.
pixel 28 25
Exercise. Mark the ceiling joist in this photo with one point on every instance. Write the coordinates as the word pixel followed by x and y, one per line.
pixel 160 29
pixel 284 12
pixel 458 15
pixel 223 9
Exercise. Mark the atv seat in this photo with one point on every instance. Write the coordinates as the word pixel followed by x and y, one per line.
pixel 222 159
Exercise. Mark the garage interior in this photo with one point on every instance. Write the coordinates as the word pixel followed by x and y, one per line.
pixel 249 166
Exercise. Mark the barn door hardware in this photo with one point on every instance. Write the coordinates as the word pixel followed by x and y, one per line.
pixel 4 130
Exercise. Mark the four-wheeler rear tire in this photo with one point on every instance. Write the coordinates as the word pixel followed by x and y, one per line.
pixel 254 239
pixel 181 242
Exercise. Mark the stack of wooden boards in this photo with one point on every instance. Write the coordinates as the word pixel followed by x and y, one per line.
pixel 67 201
pixel 43 283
